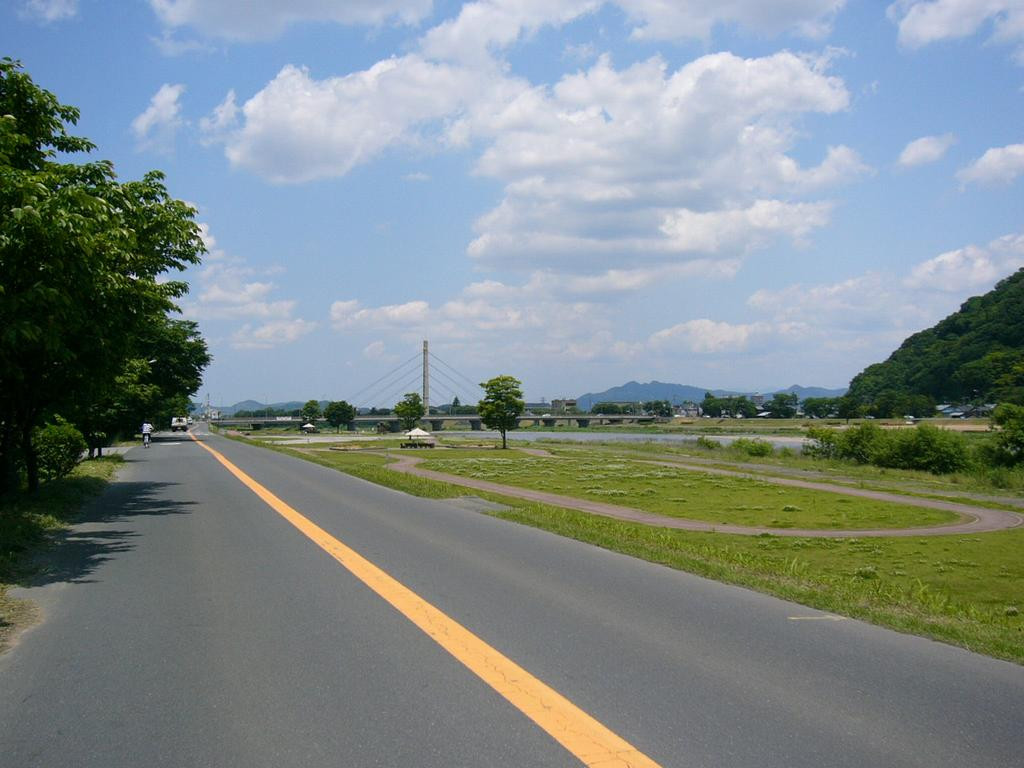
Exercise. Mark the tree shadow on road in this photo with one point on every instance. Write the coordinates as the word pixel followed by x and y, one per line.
pixel 93 538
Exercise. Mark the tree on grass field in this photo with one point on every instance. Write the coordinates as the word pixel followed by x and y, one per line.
pixel 85 294
pixel 311 411
pixel 339 413
pixel 502 404
pixel 410 410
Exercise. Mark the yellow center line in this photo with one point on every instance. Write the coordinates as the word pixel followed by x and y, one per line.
pixel 586 738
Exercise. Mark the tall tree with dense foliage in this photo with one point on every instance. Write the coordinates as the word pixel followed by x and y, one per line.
pixel 502 405
pixel 410 410
pixel 311 411
pixel 84 262
pixel 339 413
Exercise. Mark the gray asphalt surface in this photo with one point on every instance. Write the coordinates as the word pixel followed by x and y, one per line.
pixel 187 624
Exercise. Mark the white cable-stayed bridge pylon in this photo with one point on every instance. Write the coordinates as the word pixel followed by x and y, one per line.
pixel 434 372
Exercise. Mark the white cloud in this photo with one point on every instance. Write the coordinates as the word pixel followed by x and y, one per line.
pixel 703 336
pixel 157 126
pixel 683 19
pixel 226 290
pixel 221 121
pixel 878 306
pixel 375 350
pixel 970 268
pixel 922 22
pixel 265 19
pixel 272 334
pixel 738 230
pixel 488 25
pixel 298 129
pixel 599 167
pixel 997 165
pixel 927 149
pixel 49 10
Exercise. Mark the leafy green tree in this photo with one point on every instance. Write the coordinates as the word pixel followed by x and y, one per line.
pixel 1009 439
pixel 311 412
pixel 849 407
pixel 610 409
pixel 820 407
pixel 339 413
pixel 85 261
pixel 662 408
pixel 502 404
pixel 783 405
pixel 410 410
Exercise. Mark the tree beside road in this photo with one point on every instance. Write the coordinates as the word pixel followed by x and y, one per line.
pixel 85 299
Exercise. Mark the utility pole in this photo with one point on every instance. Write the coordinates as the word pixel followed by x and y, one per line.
pixel 426 378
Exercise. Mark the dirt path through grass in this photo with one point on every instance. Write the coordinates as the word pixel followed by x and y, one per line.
pixel 975 519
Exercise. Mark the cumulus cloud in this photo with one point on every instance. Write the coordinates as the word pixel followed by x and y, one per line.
pixel 156 128
pixel 887 305
pixel 266 19
pixel 682 19
pixel 703 336
pixel 297 129
pixel 49 10
pixel 271 334
pixel 227 290
pixel 927 149
pixel 738 230
pixel 971 268
pixel 922 22
pixel 488 25
pixel 997 165
pixel 607 164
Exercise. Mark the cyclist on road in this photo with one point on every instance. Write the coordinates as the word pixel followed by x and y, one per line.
pixel 147 432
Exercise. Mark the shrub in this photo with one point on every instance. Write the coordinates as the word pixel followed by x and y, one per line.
pixel 926 448
pixel 59 447
pixel 1009 440
pixel 824 443
pixel 755 447
pixel 708 443
pixel 861 443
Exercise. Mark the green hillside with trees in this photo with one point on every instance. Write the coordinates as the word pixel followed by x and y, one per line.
pixel 975 355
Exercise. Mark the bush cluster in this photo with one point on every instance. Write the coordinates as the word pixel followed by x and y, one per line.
pixel 926 447
pixel 59 448
pixel 755 447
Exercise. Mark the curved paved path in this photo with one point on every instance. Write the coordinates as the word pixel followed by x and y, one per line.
pixel 975 519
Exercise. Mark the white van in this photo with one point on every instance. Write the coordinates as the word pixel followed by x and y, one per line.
pixel 179 423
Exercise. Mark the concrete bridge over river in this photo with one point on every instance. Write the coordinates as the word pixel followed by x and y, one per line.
pixel 437 422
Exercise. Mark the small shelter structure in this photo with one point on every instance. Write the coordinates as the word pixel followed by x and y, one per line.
pixel 418 438
pixel 308 428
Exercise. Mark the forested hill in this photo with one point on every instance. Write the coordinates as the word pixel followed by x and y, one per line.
pixel 977 353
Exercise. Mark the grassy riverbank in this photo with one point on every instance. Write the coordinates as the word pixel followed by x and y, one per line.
pixel 964 590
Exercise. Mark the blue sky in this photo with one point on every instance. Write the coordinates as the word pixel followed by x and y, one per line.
pixel 740 194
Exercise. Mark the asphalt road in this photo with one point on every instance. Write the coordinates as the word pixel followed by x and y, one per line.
pixel 187 623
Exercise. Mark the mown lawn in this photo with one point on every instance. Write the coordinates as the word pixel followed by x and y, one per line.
pixel 675 492
pixel 964 590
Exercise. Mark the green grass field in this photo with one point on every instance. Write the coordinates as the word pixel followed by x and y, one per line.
pixel 964 590
pixel 693 495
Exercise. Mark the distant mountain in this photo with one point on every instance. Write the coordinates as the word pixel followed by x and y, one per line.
pixel 253 405
pixel 977 353
pixel 804 392
pixel 676 394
